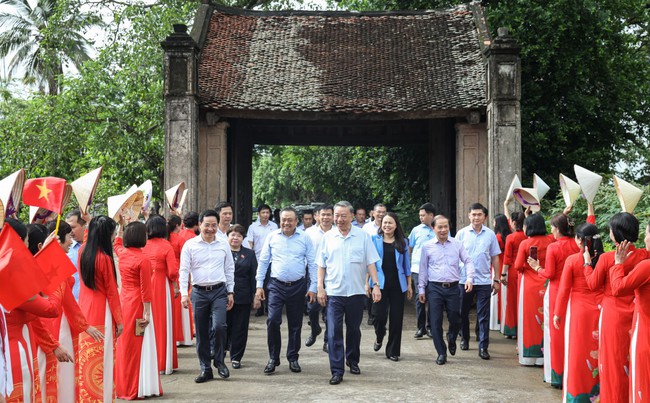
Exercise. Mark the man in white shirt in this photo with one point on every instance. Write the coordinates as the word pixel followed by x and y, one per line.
pixel 307 218
pixel 260 229
pixel 345 256
pixel 224 212
pixel 208 260
pixel 316 233
pixel 379 211
pixel 359 217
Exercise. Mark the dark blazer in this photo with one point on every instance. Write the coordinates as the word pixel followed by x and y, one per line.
pixel 245 270
pixel 401 259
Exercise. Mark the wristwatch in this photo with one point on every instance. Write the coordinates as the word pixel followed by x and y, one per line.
pixel 375 285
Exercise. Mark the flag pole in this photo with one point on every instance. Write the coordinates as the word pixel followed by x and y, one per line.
pixel 58 221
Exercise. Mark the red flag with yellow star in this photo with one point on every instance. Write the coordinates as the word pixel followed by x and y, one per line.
pixel 55 264
pixel 45 192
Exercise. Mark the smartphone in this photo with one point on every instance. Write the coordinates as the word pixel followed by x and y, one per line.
pixel 533 252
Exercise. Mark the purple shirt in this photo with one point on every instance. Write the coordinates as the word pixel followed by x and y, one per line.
pixel 439 262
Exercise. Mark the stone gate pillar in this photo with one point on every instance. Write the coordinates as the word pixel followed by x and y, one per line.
pixel 181 113
pixel 503 117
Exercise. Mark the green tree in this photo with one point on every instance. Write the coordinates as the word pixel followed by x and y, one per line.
pixel 43 38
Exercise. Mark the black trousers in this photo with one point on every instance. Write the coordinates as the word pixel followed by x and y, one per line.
pixel 238 318
pixel 442 299
pixel 292 297
pixel 390 309
pixel 210 324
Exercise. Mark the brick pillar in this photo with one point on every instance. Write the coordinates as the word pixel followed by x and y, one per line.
pixel 503 117
pixel 181 113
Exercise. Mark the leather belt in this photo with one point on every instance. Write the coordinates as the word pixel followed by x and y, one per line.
pixel 446 284
pixel 288 283
pixel 208 287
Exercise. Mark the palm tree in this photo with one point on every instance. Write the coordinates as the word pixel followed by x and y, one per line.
pixel 44 38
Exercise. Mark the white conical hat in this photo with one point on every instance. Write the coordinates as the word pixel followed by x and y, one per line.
pixel 84 189
pixel 527 197
pixel 129 203
pixel 540 186
pixel 570 190
pixel 147 190
pixel 628 194
pixel 11 191
pixel 181 204
pixel 589 182
pixel 516 183
pixel 40 215
pixel 174 196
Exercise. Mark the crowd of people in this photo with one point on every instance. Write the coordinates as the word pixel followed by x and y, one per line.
pixel 144 288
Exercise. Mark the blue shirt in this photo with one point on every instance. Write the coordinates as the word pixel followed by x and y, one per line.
pixel 287 256
pixel 418 237
pixel 481 247
pixel 440 262
pixel 346 260
pixel 73 254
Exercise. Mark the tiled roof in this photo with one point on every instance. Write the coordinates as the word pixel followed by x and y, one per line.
pixel 342 63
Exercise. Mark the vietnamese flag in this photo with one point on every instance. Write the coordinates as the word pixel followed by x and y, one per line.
pixel 55 264
pixel 20 275
pixel 47 193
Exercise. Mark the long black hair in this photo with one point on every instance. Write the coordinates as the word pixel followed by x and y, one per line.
pixel 588 234
pixel 400 239
pixel 517 219
pixel 173 222
pixel 501 226
pixel 100 234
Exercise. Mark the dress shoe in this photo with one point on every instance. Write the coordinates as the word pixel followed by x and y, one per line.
pixel 371 321
pixel 452 346
pixel 222 370
pixel 270 366
pixel 429 335
pixel 354 368
pixel 294 366
pixel 311 339
pixel 483 353
pixel 336 379
pixel 419 333
pixel 259 313
pixel 464 345
pixel 236 364
pixel 204 376
pixel 393 358
pixel 376 346
pixel 326 347
pixel 442 359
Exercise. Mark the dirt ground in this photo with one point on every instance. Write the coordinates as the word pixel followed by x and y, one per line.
pixel 416 377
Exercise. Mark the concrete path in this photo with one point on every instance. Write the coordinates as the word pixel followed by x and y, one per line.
pixel 415 378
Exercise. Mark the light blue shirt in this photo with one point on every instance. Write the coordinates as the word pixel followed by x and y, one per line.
pixel 73 254
pixel 418 237
pixel 440 262
pixel 481 247
pixel 287 256
pixel 345 260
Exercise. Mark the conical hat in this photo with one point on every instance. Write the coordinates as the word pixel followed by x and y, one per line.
pixel 628 194
pixel 39 215
pixel 540 186
pixel 147 190
pixel 527 197
pixel 516 183
pixel 129 203
pixel 181 204
pixel 2 214
pixel 11 191
pixel 570 190
pixel 174 195
pixel 84 189
pixel 589 182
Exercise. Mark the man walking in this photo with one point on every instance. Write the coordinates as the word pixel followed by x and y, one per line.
pixel 379 211
pixel 346 255
pixel 286 250
pixel 208 261
pixel 420 235
pixel 438 281
pixel 483 247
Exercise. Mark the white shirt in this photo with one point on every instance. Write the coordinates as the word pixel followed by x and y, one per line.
pixel 315 233
pixel 371 228
pixel 208 263
pixel 346 261
pixel 257 233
